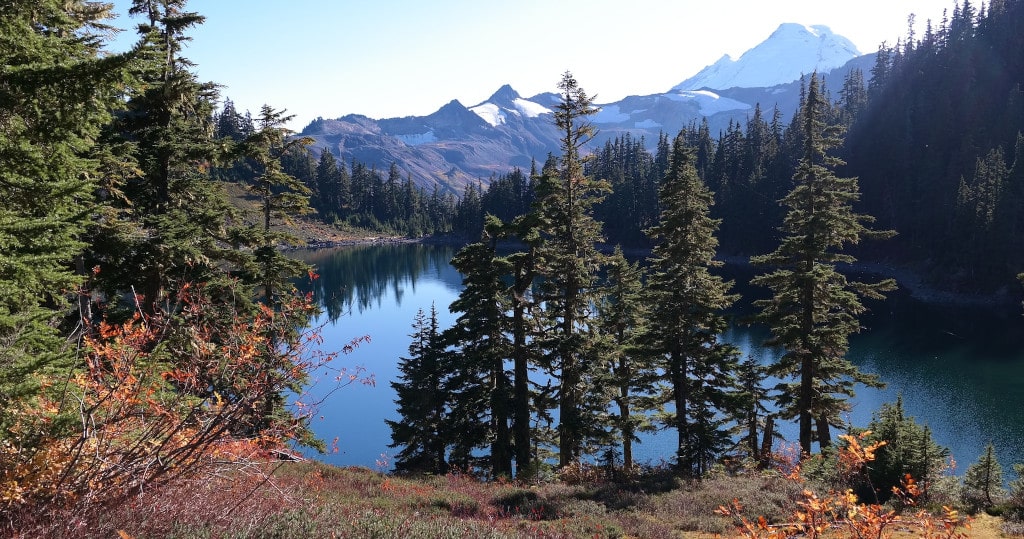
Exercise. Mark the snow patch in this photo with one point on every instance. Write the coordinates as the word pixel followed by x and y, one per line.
pixel 609 114
pixel 490 113
pixel 709 102
pixel 530 109
pixel 417 139
pixel 647 124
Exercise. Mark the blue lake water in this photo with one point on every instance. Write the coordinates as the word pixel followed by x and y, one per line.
pixel 959 369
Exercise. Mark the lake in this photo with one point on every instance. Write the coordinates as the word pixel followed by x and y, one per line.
pixel 960 369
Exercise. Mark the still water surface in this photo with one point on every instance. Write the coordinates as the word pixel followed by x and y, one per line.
pixel 959 369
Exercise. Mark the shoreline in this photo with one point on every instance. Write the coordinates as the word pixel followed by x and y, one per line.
pixel 906 278
pixel 912 283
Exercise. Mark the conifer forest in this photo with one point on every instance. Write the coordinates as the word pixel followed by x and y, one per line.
pixel 151 329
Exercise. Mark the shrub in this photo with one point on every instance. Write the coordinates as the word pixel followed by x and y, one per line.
pixel 983 483
pixel 158 399
pixel 842 510
pixel 908 449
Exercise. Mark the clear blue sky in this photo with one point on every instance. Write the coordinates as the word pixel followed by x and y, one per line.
pixel 389 58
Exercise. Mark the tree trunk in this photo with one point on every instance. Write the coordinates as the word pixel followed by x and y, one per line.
pixel 824 434
pixel 521 372
pixel 764 458
pixel 624 412
pixel 501 454
pixel 804 404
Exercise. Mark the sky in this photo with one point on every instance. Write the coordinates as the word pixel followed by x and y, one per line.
pixel 393 58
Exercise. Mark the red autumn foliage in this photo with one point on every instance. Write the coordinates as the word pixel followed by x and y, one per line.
pixel 841 514
pixel 161 398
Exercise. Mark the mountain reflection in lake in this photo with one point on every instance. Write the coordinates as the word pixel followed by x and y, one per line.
pixel 960 370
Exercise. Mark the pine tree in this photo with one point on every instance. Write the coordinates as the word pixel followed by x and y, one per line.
pixel 621 314
pixel 480 388
pixel 170 229
pixel 686 303
pixel 751 413
pixel 280 197
pixel 983 482
pixel 909 449
pixel 56 92
pixel 524 352
pixel 814 307
pixel 568 263
pixel 328 185
pixel 231 124
pixel 422 401
pixel 853 97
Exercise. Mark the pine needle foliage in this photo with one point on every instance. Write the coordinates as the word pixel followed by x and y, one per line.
pixel 814 307
pixel 686 317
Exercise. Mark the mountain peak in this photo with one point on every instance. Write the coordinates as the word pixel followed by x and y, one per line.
pixel 504 95
pixel 505 101
pixel 792 28
pixel 790 51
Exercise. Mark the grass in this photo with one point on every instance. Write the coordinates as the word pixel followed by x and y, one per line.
pixel 314 500
pixel 307 229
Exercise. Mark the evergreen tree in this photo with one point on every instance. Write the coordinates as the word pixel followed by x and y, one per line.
pixel 686 303
pixel 814 307
pixel 56 91
pixel 853 97
pixel 983 482
pixel 422 401
pixel 480 388
pixel 751 414
pixel 524 352
pixel 621 313
pixel 328 185
pixel 469 215
pixel 909 449
pixel 232 125
pixel 981 200
pixel 1016 497
pixel 280 197
pixel 568 263
pixel 170 229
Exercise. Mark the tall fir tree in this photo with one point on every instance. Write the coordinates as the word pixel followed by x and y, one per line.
pixel 621 314
pixel 814 308
pixel 262 265
pixel 525 352
pixel 280 197
pixel 568 262
pixel 171 228
pixel 480 388
pixel 329 184
pixel 56 92
pixel 687 303
pixel 422 401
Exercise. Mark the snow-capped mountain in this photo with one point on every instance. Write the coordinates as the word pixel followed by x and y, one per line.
pixel 791 51
pixel 458 145
pixel 504 102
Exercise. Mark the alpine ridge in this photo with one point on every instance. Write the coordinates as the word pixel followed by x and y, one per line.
pixel 458 145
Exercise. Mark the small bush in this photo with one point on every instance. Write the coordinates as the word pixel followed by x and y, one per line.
pixel 1013 527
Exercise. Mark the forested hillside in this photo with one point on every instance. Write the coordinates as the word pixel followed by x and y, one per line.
pixel 938 147
pixel 151 331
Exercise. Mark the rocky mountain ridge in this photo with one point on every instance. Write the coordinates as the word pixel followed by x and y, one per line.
pixel 459 145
